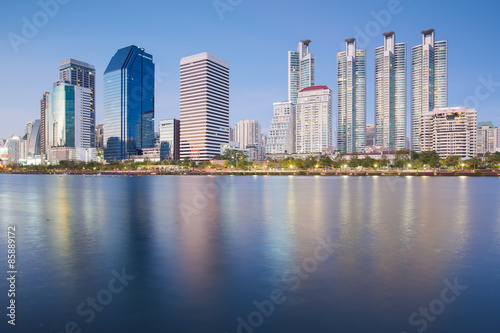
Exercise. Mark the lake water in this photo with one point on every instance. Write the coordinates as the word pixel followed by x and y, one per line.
pixel 252 254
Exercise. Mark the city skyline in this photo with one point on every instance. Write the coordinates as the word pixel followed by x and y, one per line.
pixel 235 46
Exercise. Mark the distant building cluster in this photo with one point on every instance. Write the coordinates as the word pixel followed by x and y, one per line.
pixel 303 124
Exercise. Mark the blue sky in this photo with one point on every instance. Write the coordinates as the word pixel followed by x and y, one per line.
pixel 253 36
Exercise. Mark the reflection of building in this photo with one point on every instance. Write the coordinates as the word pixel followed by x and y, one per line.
pixel 204 106
pixel 390 93
pixel 429 81
pixel 99 136
pixel 450 132
pixel 170 139
pixel 487 137
pixel 351 99
pixel 300 70
pixel 314 123
pixel 281 139
pixel 129 82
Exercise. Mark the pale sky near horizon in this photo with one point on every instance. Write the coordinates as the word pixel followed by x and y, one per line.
pixel 253 36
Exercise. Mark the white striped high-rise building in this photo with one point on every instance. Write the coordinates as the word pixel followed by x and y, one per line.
pixel 314 121
pixel 351 99
pixel 429 81
pixel 204 106
pixel 300 70
pixel 390 94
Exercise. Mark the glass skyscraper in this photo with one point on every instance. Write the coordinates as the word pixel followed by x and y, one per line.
pixel 390 94
pixel 129 82
pixel 429 81
pixel 351 99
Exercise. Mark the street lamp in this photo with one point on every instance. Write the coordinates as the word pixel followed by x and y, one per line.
pixel 375 166
pixel 409 166
pixel 463 164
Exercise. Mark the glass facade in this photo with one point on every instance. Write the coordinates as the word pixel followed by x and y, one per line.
pixel 128 104
pixel 169 139
pixel 61 129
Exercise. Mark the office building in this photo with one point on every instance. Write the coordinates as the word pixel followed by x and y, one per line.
pixel 450 132
pixel 390 93
pixel 300 70
pixel 44 111
pixel 204 106
pixel 314 120
pixel 81 74
pixel 170 139
pixel 281 138
pixel 129 87
pixel 69 122
pixel 487 137
pixel 351 99
pixel 429 81
pixel 99 136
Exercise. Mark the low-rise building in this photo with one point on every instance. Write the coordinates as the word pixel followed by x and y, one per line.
pixel 449 131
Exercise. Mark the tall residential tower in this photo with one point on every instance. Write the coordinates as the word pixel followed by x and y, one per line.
pixel 351 99
pixel 390 94
pixel 314 129
pixel 429 81
pixel 300 70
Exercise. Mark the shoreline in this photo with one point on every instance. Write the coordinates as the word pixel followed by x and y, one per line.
pixel 391 173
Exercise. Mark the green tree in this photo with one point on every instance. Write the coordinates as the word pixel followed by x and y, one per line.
pixel 384 161
pixel 452 161
pixel 473 163
pixel 367 162
pixel 325 161
pixel 354 162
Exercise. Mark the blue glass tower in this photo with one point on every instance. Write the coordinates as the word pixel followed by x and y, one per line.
pixel 129 82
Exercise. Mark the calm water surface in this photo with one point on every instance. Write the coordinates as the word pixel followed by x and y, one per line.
pixel 210 254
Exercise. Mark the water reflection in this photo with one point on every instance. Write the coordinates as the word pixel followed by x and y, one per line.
pixel 208 247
